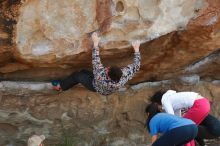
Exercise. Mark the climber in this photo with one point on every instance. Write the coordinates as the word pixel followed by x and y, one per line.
pixel 173 102
pixel 104 80
pixel 175 130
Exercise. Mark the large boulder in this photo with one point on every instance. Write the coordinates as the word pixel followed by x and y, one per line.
pixel 41 40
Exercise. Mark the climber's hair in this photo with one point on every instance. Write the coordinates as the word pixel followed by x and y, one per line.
pixel 115 73
pixel 151 110
pixel 156 98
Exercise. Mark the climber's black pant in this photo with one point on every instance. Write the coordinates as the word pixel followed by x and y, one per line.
pixel 208 129
pixel 84 77
pixel 177 136
pixel 212 124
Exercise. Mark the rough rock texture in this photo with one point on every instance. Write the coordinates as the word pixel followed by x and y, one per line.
pixel 41 40
pixel 51 30
pixel 88 119
pixel 46 39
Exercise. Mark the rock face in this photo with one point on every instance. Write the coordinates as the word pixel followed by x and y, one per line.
pixel 42 40
pixel 48 31
pixel 86 118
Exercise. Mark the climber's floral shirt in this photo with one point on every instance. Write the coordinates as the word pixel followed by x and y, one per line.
pixel 102 83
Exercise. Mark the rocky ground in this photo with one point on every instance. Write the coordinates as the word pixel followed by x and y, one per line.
pixel 89 119
pixel 215 142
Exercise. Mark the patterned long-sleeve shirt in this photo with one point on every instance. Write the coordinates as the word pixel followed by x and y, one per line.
pixel 102 83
